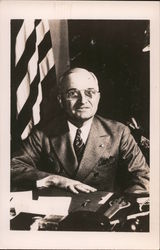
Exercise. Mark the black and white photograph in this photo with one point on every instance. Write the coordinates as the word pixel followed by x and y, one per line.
pixel 82 126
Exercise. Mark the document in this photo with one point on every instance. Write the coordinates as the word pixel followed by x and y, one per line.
pixel 22 202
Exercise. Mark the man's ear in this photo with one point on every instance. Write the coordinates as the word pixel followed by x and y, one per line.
pixel 59 98
pixel 99 96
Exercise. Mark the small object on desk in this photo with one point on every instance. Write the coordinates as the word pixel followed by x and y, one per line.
pixel 105 198
pixel 115 206
pixel 84 204
pixel 143 203
pixel 134 216
pixel 12 211
pixel 35 225
pixel 50 223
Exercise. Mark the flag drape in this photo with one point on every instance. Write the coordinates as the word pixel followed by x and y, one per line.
pixel 33 62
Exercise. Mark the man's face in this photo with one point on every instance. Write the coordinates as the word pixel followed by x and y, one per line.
pixel 80 96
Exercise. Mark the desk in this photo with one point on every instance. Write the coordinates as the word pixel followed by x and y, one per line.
pixel 80 208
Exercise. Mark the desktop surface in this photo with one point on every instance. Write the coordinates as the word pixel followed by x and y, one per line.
pixel 60 210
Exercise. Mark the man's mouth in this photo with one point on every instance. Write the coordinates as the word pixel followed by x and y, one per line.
pixel 82 108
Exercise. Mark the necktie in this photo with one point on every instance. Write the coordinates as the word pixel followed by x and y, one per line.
pixel 78 145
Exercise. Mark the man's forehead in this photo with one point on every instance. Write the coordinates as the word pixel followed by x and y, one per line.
pixel 81 78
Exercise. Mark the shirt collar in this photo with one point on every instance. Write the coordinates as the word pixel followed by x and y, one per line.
pixel 85 130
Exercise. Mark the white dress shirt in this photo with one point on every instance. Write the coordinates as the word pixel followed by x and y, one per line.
pixel 85 130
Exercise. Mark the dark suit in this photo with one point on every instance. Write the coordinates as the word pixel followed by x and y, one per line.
pixel 111 160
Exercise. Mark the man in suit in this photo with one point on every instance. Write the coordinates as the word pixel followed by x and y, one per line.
pixel 80 151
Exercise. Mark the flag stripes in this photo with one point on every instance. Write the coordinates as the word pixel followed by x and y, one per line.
pixel 22 65
pixel 21 39
pixel 26 112
pixel 43 46
pixel 34 60
pixel 46 64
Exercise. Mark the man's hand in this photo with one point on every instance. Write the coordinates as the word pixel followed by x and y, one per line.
pixel 65 183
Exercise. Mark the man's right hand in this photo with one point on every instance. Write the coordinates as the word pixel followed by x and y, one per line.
pixel 62 182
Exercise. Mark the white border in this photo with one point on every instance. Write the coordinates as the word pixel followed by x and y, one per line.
pixel 78 10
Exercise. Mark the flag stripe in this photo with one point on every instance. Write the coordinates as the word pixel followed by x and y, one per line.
pixel 26 113
pixel 23 91
pixel 37 21
pixel 36 106
pixel 41 30
pixel 46 64
pixel 22 65
pixel 32 66
pixel 23 35
pixel 44 45
pixel 27 129
pixel 50 77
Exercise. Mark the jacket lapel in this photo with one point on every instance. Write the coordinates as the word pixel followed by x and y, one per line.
pixel 63 147
pixel 98 142
pixel 65 153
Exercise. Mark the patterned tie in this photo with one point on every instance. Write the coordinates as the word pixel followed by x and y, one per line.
pixel 78 145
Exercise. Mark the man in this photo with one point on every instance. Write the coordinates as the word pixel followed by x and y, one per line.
pixel 102 155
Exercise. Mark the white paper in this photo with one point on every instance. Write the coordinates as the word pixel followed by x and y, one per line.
pixel 22 202
pixel 51 205
pixel 24 195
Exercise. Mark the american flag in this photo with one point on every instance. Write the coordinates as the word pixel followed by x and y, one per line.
pixel 32 60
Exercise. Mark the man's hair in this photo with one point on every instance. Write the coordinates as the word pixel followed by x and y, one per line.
pixel 75 70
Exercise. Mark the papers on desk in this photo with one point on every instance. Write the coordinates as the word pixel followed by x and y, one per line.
pixel 52 205
pixel 19 200
pixel 20 196
pixel 22 202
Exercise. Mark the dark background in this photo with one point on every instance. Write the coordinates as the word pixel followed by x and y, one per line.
pixel 112 49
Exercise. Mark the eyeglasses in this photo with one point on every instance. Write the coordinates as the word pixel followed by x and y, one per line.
pixel 73 94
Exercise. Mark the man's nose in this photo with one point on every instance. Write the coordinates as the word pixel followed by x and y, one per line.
pixel 82 97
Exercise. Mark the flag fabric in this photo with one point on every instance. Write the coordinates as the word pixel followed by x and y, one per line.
pixel 33 62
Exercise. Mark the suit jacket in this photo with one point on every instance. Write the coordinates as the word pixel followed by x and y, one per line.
pixel 111 161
